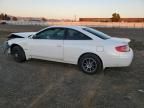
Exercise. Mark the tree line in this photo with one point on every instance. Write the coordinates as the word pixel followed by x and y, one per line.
pixel 7 17
pixel 115 17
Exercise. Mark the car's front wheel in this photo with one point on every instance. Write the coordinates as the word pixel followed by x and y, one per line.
pixel 18 54
pixel 90 64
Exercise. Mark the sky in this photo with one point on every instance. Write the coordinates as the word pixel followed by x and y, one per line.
pixel 68 9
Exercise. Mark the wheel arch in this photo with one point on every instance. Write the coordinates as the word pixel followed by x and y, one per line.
pixel 13 45
pixel 89 53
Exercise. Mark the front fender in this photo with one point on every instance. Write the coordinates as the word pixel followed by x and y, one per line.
pixel 18 41
pixel 22 42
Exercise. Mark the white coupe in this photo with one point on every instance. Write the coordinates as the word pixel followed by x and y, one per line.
pixel 91 49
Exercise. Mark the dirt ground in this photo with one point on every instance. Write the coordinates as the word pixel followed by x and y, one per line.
pixel 44 84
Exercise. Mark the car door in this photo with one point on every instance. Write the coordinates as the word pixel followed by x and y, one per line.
pixel 47 44
pixel 75 44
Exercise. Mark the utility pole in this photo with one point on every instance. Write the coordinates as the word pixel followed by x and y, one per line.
pixel 75 18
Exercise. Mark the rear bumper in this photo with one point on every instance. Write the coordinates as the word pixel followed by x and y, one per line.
pixel 119 60
pixel 126 58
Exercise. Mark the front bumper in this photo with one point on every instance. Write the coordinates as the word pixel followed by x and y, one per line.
pixel 5 47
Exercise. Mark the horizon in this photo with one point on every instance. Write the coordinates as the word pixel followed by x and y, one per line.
pixel 73 9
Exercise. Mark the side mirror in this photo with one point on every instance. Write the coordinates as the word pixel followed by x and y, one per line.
pixel 33 36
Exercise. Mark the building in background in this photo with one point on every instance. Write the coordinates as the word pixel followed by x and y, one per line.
pixel 95 19
pixel 109 20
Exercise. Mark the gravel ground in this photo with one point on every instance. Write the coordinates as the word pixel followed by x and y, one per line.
pixel 44 84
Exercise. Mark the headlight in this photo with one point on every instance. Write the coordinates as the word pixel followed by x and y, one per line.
pixel 5 46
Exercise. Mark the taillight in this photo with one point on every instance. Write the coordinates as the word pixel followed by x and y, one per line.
pixel 124 48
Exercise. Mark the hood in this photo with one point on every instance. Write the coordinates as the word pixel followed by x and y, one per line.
pixel 23 34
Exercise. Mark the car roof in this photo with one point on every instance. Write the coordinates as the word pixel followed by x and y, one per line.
pixel 72 27
pixel 79 28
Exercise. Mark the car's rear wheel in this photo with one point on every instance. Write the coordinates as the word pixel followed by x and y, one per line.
pixel 18 54
pixel 90 64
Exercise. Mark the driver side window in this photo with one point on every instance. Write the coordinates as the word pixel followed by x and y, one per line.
pixel 52 33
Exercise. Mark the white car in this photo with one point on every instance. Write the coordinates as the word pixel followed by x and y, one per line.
pixel 91 49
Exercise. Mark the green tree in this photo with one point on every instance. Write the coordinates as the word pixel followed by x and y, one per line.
pixel 14 19
pixel 44 19
pixel 115 17
pixel 1 16
pixel 6 17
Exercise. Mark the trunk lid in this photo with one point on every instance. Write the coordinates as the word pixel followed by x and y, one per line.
pixel 120 40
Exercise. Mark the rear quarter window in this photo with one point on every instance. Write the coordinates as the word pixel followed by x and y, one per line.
pixel 76 35
pixel 97 33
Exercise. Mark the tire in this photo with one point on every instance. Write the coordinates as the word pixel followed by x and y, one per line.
pixel 90 64
pixel 18 54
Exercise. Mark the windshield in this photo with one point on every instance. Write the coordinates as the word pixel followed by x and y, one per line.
pixel 97 33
